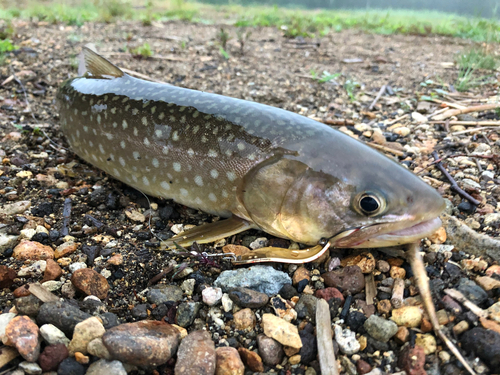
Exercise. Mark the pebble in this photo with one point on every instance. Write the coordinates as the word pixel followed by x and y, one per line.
pixel 402 336
pixel 264 279
pixel 244 320
pixel 237 250
pixel 309 349
pixel 419 118
pixel 15 208
pixel 397 272
pixel 36 269
pixel 52 356
pixel 461 327
pixel 227 303
pixel 144 343
pixel 7 242
pixel 379 328
pixel 90 282
pixel 188 285
pixel 211 296
pixel 451 305
pixel 84 333
pixel 164 293
pixel 403 131
pixel 5 318
pixel 29 305
pixel 488 283
pixel 245 297
pixel 65 249
pixel 306 307
pixel 7 277
pixel 228 362
pixel 186 313
pixel 483 343
pixel 408 316
pixel 426 341
pixel 444 356
pixel 282 331
pixel 196 355
pixel 31 250
pixel 24 335
pixel 53 335
pixel 350 279
pixel 96 348
pixel 62 315
pixel 384 307
pixel 30 368
pixel 330 293
pixel 493 270
pixel 346 339
pixel 494 312
pixel 472 291
pixel 294 359
pixel 103 366
pixel 365 261
pixel 412 360
pixel 82 358
pixel 270 350
pixel 259 243
pixel 71 367
pixel 52 271
pixel 116 260
pixel 383 266
pixel 251 359
pixel 283 308
pixel 363 367
pixel 300 274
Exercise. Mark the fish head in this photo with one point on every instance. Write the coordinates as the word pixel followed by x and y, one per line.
pixel 363 201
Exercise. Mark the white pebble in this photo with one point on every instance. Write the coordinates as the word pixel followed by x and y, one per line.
pixel 211 296
pixel 346 340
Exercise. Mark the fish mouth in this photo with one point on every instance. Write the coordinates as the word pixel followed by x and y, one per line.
pixel 383 235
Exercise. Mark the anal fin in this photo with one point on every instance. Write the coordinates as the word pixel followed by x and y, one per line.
pixel 210 232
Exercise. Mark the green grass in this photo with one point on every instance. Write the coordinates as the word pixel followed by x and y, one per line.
pixel 143 51
pixel 292 22
pixel 475 67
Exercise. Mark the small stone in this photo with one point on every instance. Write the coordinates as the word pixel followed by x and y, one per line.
pixel 71 367
pixel 116 260
pixel 7 242
pixel 53 335
pixel 103 366
pixel 281 330
pixel 443 318
pixel 84 333
pixel 309 350
pixel 330 293
pixel 306 307
pixel 211 295
pixel 188 286
pixel 349 279
pixel 444 356
pixel 426 325
pixel 65 249
pixel 384 306
pixel 228 362
pixel 493 270
pixel 144 343
pixel 186 313
pixel 52 271
pixel 96 348
pixel 363 342
pixel 29 305
pixel 36 269
pixel 426 341
pixel 15 208
pixel 227 303
pixel 397 272
pixel 164 293
pixel 488 283
pixel 245 297
pixel 90 283
pixel 380 329
pixel 483 343
pixel 412 360
pixel 244 320
pixel 75 266
pixel 408 316
pixel 135 215
pixel 294 360
pixel 461 327
pixel 451 305
pixel 383 266
pixel 5 318
pixel 283 308
pixel 270 350
pixel 346 339
pixel 363 367
pixel 251 359
pixel 300 274
pixel 259 243
pixel 7 277
pixel 81 358
pixel 438 237
pixel 402 336
pixel 494 312
pixel 196 355
pixel 237 250
pixel 419 118
pixel 472 291
pixel 365 261
pixel 30 368
pixel 402 131
pixel 31 250
pixel 24 335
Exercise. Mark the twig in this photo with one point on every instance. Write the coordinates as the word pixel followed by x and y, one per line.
pixel 455 294
pixel 392 122
pixel 339 122
pixel 386 149
pixel 42 293
pixel 448 104
pixel 66 217
pixel 454 186
pixel 326 355
pixel 437 112
pixel 472 130
pixel 143 76
pixel 371 290
pixel 475 160
pixel 467 123
pixel 477 108
pixel 381 91
pixel 398 290
pixel 418 268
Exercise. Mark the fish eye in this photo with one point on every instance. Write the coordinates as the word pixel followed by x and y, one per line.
pixel 369 204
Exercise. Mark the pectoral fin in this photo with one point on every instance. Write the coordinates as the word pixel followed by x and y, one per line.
pixel 210 232
pixel 278 254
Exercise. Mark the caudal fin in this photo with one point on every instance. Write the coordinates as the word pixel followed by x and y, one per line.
pixel 96 66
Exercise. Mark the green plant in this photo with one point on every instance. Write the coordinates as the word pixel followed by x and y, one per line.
pixel 110 10
pixel 223 37
pixel 147 18
pixel 469 62
pixel 350 86
pixel 6 46
pixel 143 51
pixel 243 35
pixel 6 30
pixel 325 76
pixel 224 53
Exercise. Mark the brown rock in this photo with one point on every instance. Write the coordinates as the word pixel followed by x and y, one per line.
pixel 363 367
pixel 24 335
pixel 7 277
pixel 397 272
pixel 289 351
pixel 402 336
pixel 228 362
pixel 51 356
pixel 281 330
pixel 493 270
pixel 116 260
pixel 251 359
pixel 350 279
pixel 365 261
pixel 270 350
pixel 85 332
pixel 196 355
pixel 31 250
pixel 329 293
pixel 52 271
pixel 412 360
pixel 363 342
pixel 90 282
pixel 294 359
pixel 65 249
pixel 488 283
pixel 244 320
pixel 397 262
pixel 461 327
pixel 300 274
pixel 22 291
pixel 245 297
pixel 81 358
pixel 236 249
pixel 439 236
pixel 425 325
pixel 384 306
pixel 144 343
pixel 383 266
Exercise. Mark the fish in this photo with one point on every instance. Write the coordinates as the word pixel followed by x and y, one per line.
pixel 255 165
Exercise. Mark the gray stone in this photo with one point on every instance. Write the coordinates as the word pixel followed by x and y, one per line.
pixel 62 315
pixel 30 368
pixel 306 307
pixel 245 297
pixel 186 313
pixel 264 279
pixel 379 328
pixel 164 293
pixel 53 335
pixel 472 291
pixel 270 350
pixel 29 305
pixel 4 320
pixel 7 242
pixel 103 366
pixel 196 355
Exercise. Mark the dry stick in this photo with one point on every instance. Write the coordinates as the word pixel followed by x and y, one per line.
pixel 418 268
pixel 326 355
pixel 472 130
pixel 437 113
pixel 455 294
pixel 386 149
pixel 454 186
pixel 371 290
pixel 448 104
pixel 379 94
pixel 398 290
pixel 337 122
pixel 468 123
pixel 397 119
pixel 475 160
pixel 66 217
pixel 477 108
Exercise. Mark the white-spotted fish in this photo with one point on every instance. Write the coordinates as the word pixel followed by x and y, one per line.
pixel 261 166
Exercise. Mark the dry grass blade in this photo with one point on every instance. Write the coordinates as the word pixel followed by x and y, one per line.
pixel 42 293
pixel 455 294
pixel 455 112
pixel 468 123
pixel 326 355
pixel 418 268
pixel 7 354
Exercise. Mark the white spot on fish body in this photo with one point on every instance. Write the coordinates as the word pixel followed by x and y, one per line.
pixel 241 146
pixel 212 153
pixel 123 144
pixel 155 162
pixel 184 192
pixel 135 111
pixel 175 136
pixel 177 167
pixel 212 197
pixel 136 131
pixel 231 176
pixel 101 148
pixel 115 125
pixel 85 128
pixel 144 121
pixel 190 152
pixel 145 181
pixel 165 185
pixel 214 173
pixel 136 155
pixel 146 142
pixel 198 180
pixel 124 124
pixel 161 116
pixel 164 150
pixel 158 133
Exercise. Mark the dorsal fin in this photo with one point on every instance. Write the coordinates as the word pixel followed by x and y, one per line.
pixel 96 66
